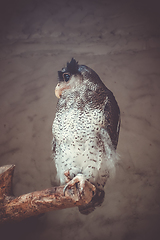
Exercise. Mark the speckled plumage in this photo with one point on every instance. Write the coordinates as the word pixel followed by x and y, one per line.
pixel 85 128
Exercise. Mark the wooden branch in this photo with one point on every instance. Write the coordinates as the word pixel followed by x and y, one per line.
pixel 38 202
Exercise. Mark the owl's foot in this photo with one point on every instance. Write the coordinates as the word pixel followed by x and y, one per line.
pixel 79 180
pixel 96 201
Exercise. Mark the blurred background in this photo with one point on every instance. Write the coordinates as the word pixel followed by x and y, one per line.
pixel 120 40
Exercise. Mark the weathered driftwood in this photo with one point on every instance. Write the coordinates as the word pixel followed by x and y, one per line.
pixel 38 202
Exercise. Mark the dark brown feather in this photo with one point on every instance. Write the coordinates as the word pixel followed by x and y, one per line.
pixel 112 118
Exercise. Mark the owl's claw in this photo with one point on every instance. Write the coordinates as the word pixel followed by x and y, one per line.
pixel 77 179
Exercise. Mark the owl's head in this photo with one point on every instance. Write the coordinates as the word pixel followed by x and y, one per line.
pixel 76 76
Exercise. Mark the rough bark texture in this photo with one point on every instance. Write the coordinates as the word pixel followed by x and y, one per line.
pixel 6 175
pixel 35 203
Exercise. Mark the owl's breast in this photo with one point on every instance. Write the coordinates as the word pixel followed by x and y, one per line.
pixel 78 144
pixel 76 125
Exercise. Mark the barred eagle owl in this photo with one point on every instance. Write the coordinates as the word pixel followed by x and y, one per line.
pixel 85 130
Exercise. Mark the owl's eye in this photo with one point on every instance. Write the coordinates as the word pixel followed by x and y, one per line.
pixel 66 76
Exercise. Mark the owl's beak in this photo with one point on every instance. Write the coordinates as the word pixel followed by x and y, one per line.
pixel 58 91
pixel 60 88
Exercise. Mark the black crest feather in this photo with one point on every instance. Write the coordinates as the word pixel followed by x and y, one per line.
pixel 72 67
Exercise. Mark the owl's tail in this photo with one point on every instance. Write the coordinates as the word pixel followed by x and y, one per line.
pixel 96 201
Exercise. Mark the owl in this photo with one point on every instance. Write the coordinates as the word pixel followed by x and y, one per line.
pixel 85 131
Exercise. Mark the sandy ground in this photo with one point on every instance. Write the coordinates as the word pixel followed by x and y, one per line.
pixel 120 40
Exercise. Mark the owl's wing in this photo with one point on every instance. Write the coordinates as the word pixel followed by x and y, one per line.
pixel 112 118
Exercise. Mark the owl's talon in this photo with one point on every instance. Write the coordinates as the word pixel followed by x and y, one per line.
pixel 77 179
pixel 64 189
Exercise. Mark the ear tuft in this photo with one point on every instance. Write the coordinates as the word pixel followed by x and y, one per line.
pixel 72 67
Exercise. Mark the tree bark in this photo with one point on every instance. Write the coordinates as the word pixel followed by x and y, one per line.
pixel 38 202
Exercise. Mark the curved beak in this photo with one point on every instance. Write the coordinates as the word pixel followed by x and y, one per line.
pixel 58 91
pixel 60 88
